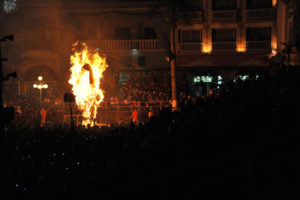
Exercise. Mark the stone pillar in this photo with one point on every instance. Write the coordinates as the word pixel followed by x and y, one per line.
pixel 281 24
pixel 241 29
pixel 274 40
pixel 207 41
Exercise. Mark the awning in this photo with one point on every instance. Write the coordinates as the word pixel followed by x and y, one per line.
pixel 214 60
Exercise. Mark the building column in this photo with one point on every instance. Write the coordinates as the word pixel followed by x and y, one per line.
pixel 274 40
pixel 207 41
pixel 281 24
pixel 241 29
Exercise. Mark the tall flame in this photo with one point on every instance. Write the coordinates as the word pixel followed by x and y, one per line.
pixel 86 72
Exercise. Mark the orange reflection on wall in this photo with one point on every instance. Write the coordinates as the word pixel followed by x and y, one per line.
pixel 274 2
pixel 241 47
pixel 274 43
pixel 206 48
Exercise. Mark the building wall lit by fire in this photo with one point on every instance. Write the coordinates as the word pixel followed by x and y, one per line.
pixel 211 36
pixel 131 35
pixel 227 35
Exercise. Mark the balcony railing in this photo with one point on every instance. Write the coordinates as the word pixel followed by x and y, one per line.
pixel 264 45
pixel 191 15
pixel 190 47
pixel 224 46
pixel 128 44
pixel 266 13
pixel 224 15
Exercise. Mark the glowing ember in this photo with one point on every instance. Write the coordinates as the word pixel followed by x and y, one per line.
pixel 86 73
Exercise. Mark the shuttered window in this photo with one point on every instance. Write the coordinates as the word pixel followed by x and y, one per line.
pixel 256 34
pixel 223 35
pixel 190 36
pixel 224 4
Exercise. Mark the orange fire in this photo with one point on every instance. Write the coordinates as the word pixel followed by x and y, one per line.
pixel 86 73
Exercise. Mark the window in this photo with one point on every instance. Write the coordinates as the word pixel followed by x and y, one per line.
pixel 223 35
pixel 190 5
pixel 123 77
pixel 255 34
pixel 254 4
pixel 197 4
pixel 142 60
pixel 190 35
pixel 220 80
pixel 91 33
pixel 224 4
pixel 10 5
pixel 149 33
pixel 123 33
pixel 205 79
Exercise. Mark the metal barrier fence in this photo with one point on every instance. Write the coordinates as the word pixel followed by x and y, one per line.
pixel 112 114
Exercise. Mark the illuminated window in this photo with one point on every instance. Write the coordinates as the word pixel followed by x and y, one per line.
pixel 243 77
pixel 197 79
pixel 220 80
pixel 206 79
pixel 10 5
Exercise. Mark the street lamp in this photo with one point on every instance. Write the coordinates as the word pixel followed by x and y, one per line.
pixel 40 85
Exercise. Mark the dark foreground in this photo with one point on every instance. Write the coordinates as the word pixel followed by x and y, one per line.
pixel 239 143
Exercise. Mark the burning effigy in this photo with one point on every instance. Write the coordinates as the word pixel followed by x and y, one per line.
pixel 87 69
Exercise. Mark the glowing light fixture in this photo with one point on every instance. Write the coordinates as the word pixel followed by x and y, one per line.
pixel 40 86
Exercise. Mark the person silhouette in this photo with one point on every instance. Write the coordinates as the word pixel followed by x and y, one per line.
pixel 43 116
pixel 134 116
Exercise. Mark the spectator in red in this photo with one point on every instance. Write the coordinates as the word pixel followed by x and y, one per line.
pixel 43 116
pixel 151 112
pixel 134 116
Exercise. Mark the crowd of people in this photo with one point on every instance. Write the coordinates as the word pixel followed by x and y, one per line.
pixel 151 86
pixel 145 92
pixel 146 87
pixel 216 145
pixel 28 105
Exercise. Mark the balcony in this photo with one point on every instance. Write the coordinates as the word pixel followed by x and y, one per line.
pixel 223 46
pixel 115 45
pixel 259 14
pixel 264 45
pixel 224 15
pixel 191 16
pixel 190 47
